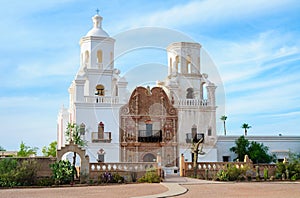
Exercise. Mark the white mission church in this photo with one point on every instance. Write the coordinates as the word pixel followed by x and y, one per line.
pixel 120 126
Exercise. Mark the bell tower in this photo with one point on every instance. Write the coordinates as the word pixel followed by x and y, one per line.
pixel 97 62
pixel 96 47
pixel 184 59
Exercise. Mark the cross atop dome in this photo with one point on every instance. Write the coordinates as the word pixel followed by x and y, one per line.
pixel 97 26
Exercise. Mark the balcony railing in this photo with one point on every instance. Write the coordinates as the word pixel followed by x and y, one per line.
pixel 106 137
pixel 196 138
pixel 102 99
pixel 193 102
pixel 150 136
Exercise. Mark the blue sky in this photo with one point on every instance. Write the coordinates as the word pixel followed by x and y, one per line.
pixel 254 44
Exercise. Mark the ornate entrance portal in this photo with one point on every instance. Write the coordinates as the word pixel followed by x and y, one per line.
pixel 149 126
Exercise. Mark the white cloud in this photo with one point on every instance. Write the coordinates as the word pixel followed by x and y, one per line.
pixel 239 61
pixel 208 12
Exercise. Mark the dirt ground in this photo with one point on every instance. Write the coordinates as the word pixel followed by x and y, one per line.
pixel 111 191
pixel 232 190
pixel 249 190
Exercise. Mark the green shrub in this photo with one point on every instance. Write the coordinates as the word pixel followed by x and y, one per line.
pixel 266 174
pixel 118 178
pixel 7 172
pixel 45 181
pixel 291 170
pixel 26 173
pixel 62 172
pixel 222 175
pixel 13 173
pixel 232 173
pixel 150 176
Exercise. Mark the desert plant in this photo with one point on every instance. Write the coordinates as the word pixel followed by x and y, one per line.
pixel 266 174
pixel 150 176
pixel 117 178
pixel 232 173
pixel 222 175
pixel 290 170
pixel 62 172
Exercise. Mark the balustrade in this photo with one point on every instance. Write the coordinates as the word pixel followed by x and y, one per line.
pixel 193 102
pixel 102 99
pixel 121 166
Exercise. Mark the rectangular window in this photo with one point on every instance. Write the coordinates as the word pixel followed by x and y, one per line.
pixel 100 157
pixel 226 158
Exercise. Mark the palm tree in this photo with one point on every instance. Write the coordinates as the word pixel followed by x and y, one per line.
pixel 224 118
pixel 73 135
pixel 246 126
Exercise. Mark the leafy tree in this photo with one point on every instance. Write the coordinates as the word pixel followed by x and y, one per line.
pixel 241 148
pixel 2 149
pixel 26 151
pixel 73 135
pixel 246 126
pixel 50 150
pixel 224 118
pixel 259 153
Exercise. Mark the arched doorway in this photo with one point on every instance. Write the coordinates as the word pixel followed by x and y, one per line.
pixel 84 159
pixel 149 157
pixel 69 156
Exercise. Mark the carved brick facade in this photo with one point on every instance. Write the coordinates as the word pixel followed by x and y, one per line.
pixel 148 127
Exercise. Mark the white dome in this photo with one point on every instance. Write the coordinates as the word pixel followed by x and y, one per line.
pixel 97 27
pixel 97 32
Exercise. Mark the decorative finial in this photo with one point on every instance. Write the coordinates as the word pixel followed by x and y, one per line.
pixel 97 11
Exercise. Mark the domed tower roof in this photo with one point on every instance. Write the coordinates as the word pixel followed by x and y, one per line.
pixel 97 27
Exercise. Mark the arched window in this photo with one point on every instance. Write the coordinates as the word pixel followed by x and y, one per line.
pixel 116 90
pixel 188 64
pixel 170 66
pixel 168 159
pixel 111 56
pixel 99 56
pixel 86 56
pixel 82 129
pixel 100 90
pixel 177 66
pixel 111 60
pixel 209 132
pixel 190 93
pixel 101 154
pixel 194 133
pixel 203 91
